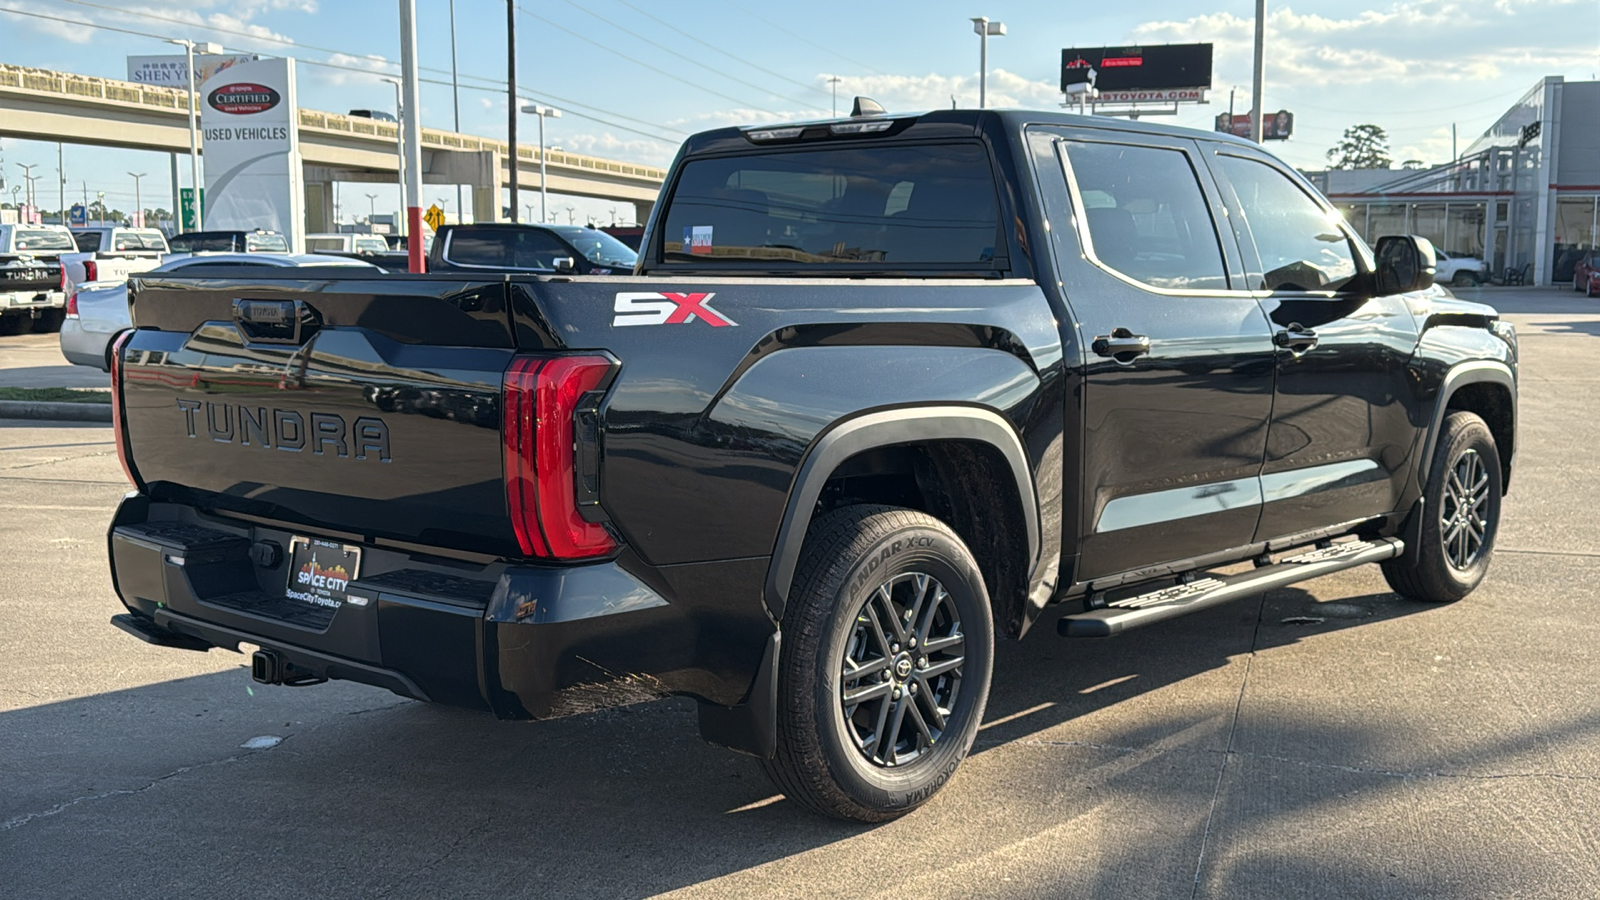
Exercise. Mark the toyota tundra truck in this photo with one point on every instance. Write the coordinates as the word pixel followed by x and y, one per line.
pixel 880 391
pixel 30 277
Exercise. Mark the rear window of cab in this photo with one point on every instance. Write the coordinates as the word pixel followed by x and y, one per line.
pixel 864 207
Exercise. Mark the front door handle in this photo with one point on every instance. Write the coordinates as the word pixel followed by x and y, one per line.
pixel 1296 338
pixel 1121 345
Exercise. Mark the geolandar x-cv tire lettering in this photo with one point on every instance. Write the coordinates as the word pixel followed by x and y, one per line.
pixel 1461 513
pixel 887 654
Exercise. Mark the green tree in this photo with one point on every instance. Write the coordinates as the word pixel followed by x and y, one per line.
pixel 1362 147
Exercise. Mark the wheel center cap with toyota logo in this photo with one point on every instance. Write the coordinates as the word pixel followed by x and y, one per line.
pixel 243 99
pixel 902 667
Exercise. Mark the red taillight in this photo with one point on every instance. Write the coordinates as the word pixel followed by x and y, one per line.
pixel 118 344
pixel 541 399
pixel 91 271
pixel 72 301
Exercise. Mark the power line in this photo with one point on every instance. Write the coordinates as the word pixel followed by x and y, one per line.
pixel 803 39
pixel 349 68
pixel 756 66
pixel 661 46
pixel 700 87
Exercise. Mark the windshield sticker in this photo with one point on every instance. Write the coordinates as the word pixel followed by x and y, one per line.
pixel 697 239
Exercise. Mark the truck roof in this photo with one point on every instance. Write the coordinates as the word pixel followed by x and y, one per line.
pixel 947 123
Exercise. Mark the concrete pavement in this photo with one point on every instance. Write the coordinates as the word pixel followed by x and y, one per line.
pixel 1325 740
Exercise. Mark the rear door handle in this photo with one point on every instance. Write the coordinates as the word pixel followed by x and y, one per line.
pixel 1121 345
pixel 1296 338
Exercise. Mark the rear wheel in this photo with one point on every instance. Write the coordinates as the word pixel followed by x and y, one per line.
pixel 1461 514
pixel 888 647
pixel 49 321
pixel 15 324
pixel 1464 278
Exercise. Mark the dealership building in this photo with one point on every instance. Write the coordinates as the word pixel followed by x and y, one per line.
pixel 1525 196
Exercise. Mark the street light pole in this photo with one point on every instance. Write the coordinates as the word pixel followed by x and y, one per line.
pixel 400 139
pixel 100 198
pixel 27 177
pixel 544 195
pixel 1255 87
pixel 455 92
pixel 372 210
pixel 983 28
pixel 194 129
pixel 138 200
pixel 511 97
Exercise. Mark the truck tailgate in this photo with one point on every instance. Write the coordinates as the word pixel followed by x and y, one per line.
pixel 363 407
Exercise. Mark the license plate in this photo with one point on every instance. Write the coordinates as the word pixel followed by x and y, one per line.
pixel 321 571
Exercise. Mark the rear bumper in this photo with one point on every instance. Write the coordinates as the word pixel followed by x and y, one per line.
pixel 82 347
pixel 16 300
pixel 519 641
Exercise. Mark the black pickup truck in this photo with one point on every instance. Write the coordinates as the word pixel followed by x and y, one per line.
pixel 879 391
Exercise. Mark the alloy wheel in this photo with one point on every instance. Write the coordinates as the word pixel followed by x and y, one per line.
pixel 1463 516
pixel 901 670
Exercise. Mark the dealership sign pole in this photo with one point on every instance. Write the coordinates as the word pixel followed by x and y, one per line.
pixel 1255 87
pixel 412 129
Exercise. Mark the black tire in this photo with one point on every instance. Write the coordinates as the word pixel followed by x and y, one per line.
pixel 822 761
pixel 1465 279
pixel 1460 519
pixel 15 324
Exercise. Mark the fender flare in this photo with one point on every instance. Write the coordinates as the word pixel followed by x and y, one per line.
pixel 885 428
pixel 1475 372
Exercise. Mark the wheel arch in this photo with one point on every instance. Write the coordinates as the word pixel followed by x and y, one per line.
pixel 1487 388
pixel 932 445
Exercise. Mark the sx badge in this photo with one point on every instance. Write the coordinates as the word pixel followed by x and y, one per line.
pixel 659 308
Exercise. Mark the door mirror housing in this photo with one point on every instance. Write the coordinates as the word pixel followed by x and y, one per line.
pixel 1405 263
pixel 565 265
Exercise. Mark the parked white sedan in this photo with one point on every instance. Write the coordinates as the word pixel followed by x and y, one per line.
pixel 97 310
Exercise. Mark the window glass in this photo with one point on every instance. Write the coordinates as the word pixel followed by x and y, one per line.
pixel 319 245
pixel 371 245
pixel 599 248
pixel 44 239
pixel 505 248
pixel 153 241
pixel 1300 244
pixel 872 204
pixel 266 243
pixel 1147 216
pixel 87 241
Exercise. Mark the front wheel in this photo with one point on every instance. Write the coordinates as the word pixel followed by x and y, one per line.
pixel 888 646
pixel 1465 279
pixel 1461 514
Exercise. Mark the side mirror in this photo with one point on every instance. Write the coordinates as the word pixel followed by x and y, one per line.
pixel 565 265
pixel 1406 263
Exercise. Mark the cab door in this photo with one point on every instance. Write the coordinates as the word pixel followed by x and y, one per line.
pixel 1177 368
pixel 1343 426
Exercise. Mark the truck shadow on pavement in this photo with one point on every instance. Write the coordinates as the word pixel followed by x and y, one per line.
pixel 146 792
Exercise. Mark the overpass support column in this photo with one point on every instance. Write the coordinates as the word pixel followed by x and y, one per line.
pixel 319 207
pixel 641 210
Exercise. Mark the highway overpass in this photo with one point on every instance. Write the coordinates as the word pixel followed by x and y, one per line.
pixel 40 104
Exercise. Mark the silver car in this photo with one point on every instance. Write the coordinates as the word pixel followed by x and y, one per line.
pixel 98 310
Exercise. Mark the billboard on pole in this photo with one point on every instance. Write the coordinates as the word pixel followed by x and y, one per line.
pixel 1163 72
pixel 250 122
pixel 173 71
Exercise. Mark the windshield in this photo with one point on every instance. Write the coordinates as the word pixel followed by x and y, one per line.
pixel 879 206
pixel 599 248
pixel 266 243
pixel 43 239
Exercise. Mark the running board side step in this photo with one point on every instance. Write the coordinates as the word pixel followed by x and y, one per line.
pixel 1203 593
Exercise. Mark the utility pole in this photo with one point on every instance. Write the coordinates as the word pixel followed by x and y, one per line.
pixel 138 201
pixel 455 96
pixel 511 98
pixel 835 82
pixel 984 28
pixel 1260 77
pixel 412 131
pixel 61 185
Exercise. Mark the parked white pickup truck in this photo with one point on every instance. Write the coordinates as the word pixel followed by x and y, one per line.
pixel 111 253
pixel 1460 269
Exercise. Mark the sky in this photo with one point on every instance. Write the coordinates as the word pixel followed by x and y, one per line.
pixel 633 77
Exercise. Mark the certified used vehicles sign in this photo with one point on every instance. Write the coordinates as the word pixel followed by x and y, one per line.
pixel 243 99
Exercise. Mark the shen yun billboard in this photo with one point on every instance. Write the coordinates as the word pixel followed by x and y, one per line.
pixel 250 122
